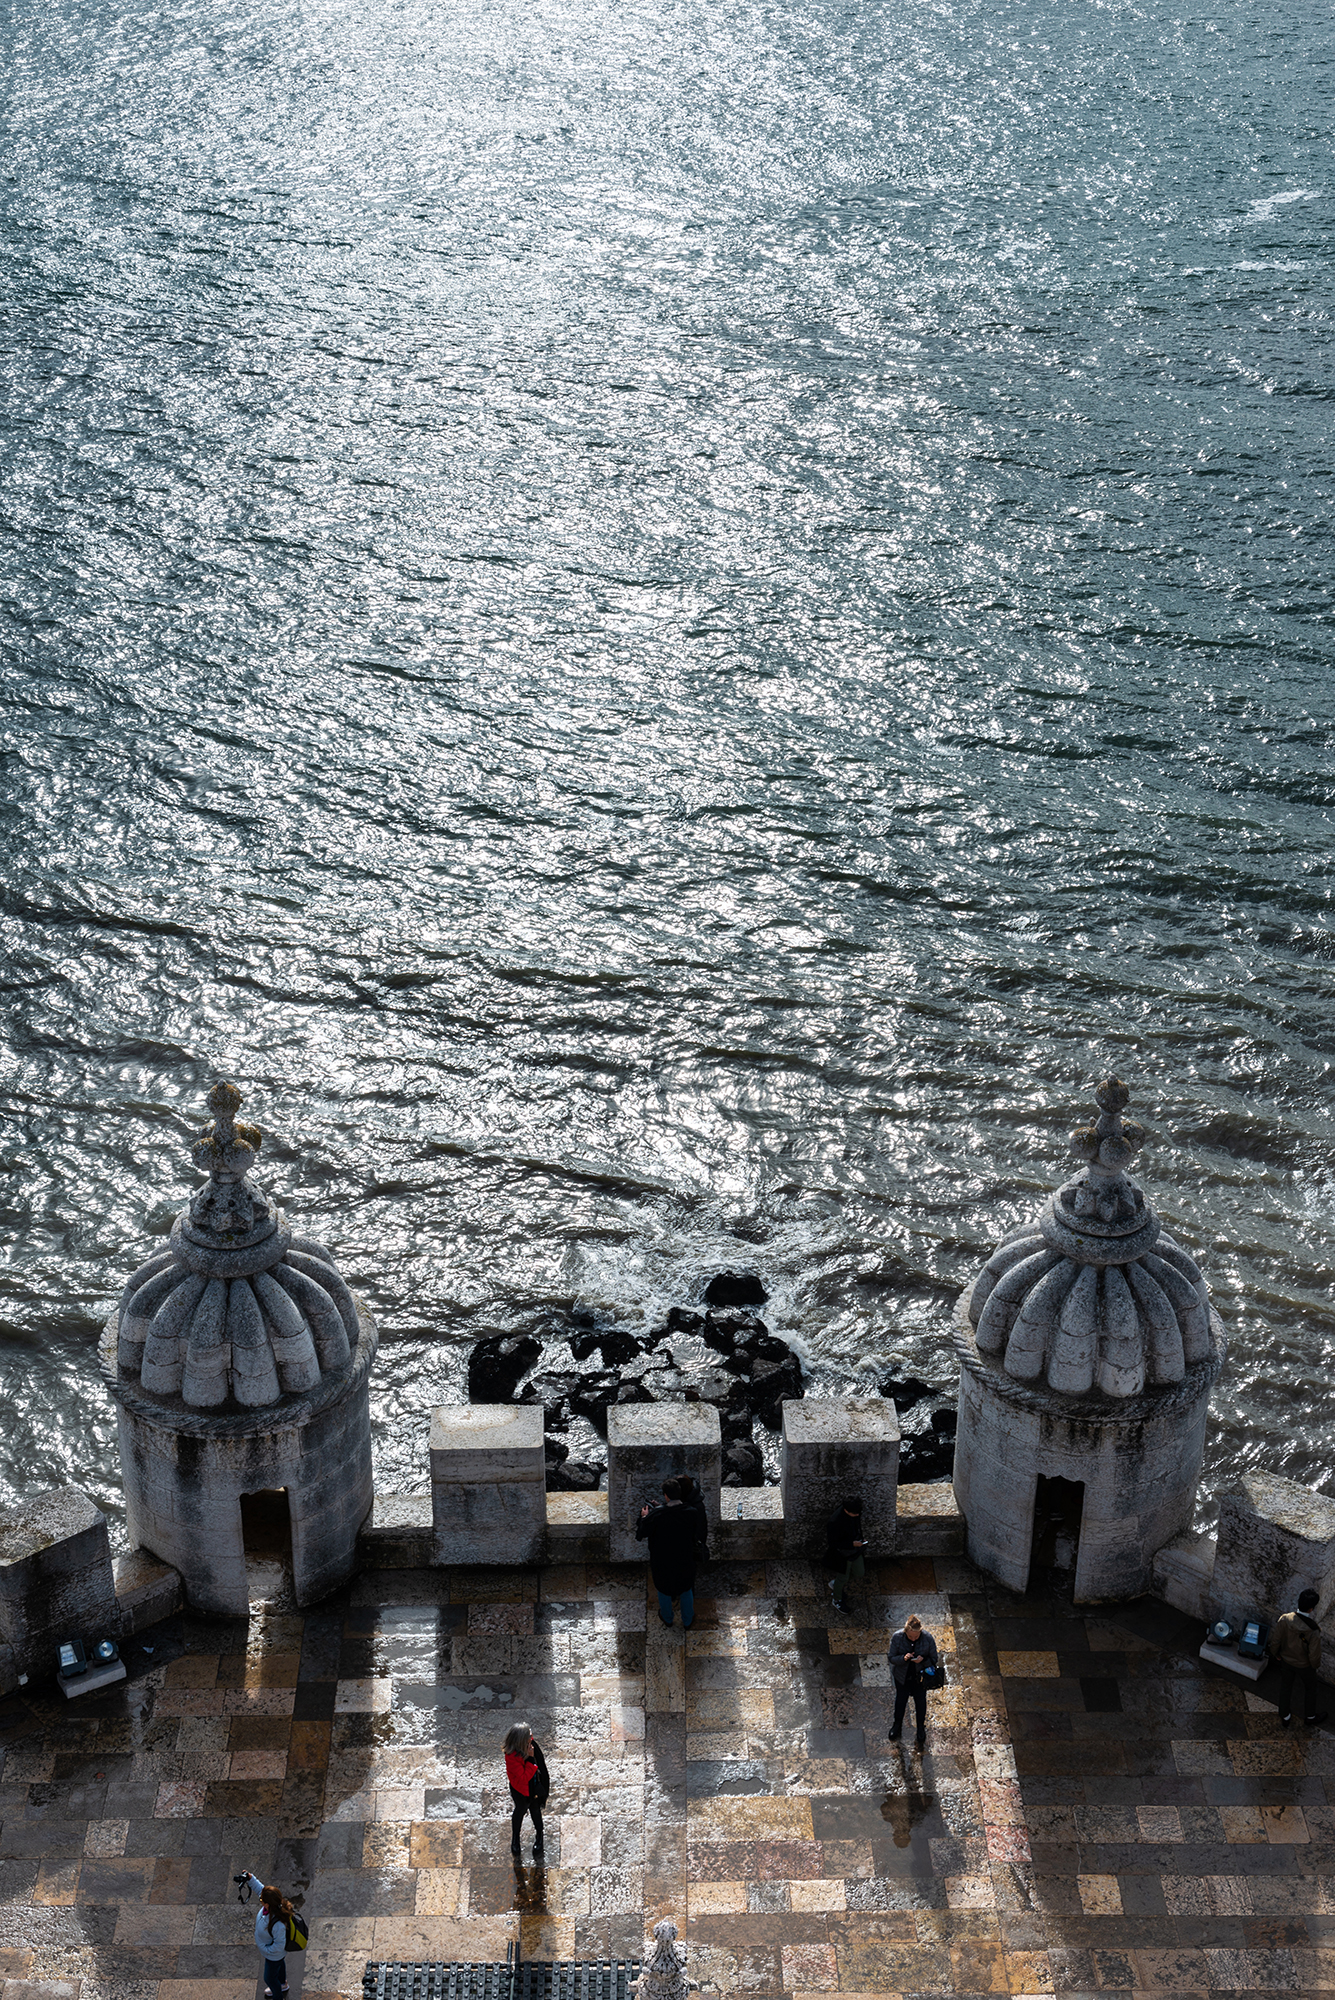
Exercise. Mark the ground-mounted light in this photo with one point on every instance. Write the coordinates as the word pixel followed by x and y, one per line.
pixel 78 1674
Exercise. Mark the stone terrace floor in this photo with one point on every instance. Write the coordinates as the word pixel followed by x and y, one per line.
pixel 1096 1812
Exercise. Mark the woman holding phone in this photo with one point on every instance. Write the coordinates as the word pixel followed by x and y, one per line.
pixel 912 1653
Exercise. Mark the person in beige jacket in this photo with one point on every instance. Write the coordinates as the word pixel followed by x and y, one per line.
pixel 1295 1646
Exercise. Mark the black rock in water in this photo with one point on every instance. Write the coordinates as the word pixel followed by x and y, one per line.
pixel 574 1476
pixel 725 1331
pixel 735 1423
pixel 735 1288
pixel 925 1458
pixel 772 1384
pixel 592 1397
pixel 684 1322
pixel 737 1396
pixel 633 1392
pixel 762 1345
pixel 618 1347
pixel 945 1422
pixel 615 1346
pixel 496 1367
pixel 553 1392
pixel 905 1390
pixel 743 1465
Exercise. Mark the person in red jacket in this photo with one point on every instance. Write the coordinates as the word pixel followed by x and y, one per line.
pixel 526 1769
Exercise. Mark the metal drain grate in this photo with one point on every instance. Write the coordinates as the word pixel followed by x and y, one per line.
pixel 576 1979
pixel 535 1979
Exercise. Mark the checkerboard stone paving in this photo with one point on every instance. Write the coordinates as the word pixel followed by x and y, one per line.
pixel 1096 1813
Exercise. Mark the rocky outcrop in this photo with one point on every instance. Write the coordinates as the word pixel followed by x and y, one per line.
pixel 719 1352
pixel 615 1346
pixel 724 1355
pixel 735 1288
pixel 497 1367
pixel 743 1465
pixel 566 1474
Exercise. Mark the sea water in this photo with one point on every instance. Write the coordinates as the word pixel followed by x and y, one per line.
pixel 666 629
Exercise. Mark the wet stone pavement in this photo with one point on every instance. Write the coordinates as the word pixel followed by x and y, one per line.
pixel 1095 1813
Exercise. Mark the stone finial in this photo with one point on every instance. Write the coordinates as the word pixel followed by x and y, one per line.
pixel 663 1976
pixel 227 1210
pixel 236 1309
pixel 1109 1144
pixel 1092 1295
pixel 226 1150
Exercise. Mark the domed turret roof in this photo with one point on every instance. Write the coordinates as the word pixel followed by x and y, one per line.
pixel 237 1310
pixel 1092 1295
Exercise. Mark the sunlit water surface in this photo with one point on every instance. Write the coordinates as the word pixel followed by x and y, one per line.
pixel 666 628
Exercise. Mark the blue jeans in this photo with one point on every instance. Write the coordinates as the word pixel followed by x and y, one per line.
pixel 275 1975
pixel 687 1607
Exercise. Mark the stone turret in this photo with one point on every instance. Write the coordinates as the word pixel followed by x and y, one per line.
pixel 239 1361
pixel 1088 1349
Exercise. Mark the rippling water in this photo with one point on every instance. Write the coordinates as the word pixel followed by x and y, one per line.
pixel 662 626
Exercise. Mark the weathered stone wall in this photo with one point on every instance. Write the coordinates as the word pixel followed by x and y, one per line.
pixel 833 1447
pixel 646 1444
pixel 399 1533
pixel 1182 1572
pixel 488 1483
pixel 147 1591
pixel 1275 1539
pixel 56 1579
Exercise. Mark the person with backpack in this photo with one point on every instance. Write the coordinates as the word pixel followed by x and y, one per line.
pixel 675 1533
pixel 277 1926
pixel 1295 1646
pixel 526 1772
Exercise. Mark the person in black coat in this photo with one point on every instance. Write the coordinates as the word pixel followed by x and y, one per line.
pixel 674 1533
pixel 846 1550
pixel 911 1650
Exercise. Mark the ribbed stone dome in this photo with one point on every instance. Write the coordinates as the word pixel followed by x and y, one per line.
pixel 238 1309
pixel 1092 1295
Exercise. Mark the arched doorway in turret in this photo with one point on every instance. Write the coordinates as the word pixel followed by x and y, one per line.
pixel 266 1535
pixel 1058 1506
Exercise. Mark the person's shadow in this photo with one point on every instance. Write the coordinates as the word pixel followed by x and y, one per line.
pixel 902 1811
pixel 531 1888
